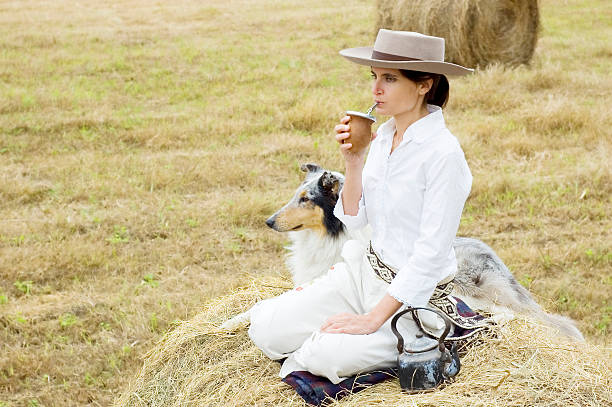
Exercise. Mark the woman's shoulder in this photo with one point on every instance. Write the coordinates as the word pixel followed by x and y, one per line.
pixel 444 142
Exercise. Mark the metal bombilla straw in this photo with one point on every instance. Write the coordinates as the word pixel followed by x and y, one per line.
pixel 369 112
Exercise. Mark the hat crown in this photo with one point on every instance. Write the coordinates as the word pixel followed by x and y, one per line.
pixel 411 45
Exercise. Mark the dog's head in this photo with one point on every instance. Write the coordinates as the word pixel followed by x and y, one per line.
pixel 312 205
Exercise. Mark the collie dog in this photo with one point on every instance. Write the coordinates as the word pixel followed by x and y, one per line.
pixel 317 237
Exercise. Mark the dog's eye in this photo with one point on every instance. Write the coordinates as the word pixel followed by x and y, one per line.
pixel 303 199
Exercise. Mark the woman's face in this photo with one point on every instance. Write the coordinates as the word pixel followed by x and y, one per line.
pixel 395 93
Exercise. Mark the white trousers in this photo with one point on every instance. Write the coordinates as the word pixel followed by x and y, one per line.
pixel 288 326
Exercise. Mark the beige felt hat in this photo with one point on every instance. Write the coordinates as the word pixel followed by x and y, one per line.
pixel 405 50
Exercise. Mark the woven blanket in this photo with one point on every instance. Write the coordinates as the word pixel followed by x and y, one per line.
pixel 319 391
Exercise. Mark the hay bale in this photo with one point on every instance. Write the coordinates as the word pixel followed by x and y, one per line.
pixel 526 365
pixel 477 32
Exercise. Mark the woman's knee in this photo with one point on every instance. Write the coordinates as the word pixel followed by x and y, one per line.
pixel 261 324
pixel 267 330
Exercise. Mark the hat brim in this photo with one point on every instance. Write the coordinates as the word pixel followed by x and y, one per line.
pixel 363 56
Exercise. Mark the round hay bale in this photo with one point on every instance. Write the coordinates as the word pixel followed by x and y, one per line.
pixel 525 365
pixel 477 32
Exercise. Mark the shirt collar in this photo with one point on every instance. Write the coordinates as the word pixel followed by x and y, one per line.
pixel 418 131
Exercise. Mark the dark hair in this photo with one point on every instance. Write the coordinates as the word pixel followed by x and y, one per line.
pixel 438 94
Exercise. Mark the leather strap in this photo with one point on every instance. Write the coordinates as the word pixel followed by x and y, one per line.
pixel 391 57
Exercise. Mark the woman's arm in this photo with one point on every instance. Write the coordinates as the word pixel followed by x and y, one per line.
pixel 448 185
pixel 352 189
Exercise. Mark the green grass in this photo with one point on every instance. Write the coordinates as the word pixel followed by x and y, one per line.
pixel 143 145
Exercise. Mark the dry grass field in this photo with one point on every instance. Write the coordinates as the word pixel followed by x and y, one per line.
pixel 143 144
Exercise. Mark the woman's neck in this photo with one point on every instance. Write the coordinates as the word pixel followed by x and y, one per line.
pixel 404 120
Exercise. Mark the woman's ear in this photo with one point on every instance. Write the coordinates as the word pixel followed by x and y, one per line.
pixel 425 86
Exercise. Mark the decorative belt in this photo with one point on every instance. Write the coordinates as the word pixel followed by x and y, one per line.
pixel 383 271
pixel 388 273
pixel 441 299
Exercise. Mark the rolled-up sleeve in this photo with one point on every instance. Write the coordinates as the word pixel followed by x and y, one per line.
pixel 351 222
pixel 448 184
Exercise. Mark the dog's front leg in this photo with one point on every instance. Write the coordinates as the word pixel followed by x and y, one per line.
pixel 237 322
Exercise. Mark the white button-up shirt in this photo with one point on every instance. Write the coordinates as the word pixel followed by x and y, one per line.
pixel 413 199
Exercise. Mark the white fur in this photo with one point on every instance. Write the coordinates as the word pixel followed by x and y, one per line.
pixel 311 254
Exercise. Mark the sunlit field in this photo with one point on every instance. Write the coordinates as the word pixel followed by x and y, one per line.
pixel 143 145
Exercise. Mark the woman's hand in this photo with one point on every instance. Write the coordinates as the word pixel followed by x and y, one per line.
pixel 363 324
pixel 343 132
pixel 350 324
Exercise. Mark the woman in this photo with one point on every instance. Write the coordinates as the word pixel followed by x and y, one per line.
pixel 411 191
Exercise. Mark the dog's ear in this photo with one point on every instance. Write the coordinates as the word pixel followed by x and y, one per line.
pixel 310 167
pixel 329 182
